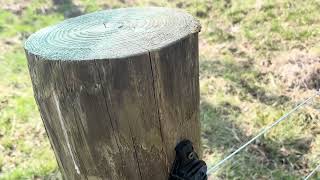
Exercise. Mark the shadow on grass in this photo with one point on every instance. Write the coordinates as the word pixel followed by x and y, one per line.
pixel 263 159
pixel 67 8
pixel 245 78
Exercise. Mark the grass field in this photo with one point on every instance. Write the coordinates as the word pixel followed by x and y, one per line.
pixel 258 59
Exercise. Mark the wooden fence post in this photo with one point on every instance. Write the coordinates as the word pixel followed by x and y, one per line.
pixel 117 90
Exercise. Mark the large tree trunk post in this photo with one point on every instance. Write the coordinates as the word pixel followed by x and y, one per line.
pixel 117 90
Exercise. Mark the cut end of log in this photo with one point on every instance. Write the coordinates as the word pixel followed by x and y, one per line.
pixel 119 117
pixel 112 34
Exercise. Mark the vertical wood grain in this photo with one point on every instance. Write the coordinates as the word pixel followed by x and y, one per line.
pixel 119 118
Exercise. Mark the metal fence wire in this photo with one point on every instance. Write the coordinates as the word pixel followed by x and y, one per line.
pixel 263 131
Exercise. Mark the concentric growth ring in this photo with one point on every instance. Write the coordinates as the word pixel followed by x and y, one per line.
pixel 112 34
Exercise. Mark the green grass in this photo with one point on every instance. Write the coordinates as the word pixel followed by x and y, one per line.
pixel 241 90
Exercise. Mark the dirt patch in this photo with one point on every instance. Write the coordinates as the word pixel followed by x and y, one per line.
pixel 15 7
pixel 297 70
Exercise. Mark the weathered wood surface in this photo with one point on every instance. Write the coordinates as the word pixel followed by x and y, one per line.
pixel 117 90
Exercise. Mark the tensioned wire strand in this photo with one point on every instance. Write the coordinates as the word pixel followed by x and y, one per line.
pixel 312 172
pixel 263 131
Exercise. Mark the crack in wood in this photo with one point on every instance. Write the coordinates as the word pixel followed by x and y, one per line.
pixel 157 106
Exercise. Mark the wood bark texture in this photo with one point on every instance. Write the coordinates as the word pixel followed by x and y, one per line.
pixel 117 90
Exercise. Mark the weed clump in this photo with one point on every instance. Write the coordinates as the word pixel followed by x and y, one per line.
pixel 299 70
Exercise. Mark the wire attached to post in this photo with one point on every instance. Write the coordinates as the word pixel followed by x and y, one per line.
pixel 187 165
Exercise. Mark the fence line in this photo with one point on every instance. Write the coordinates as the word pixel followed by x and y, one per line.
pixel 312 172
pixel 263 131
